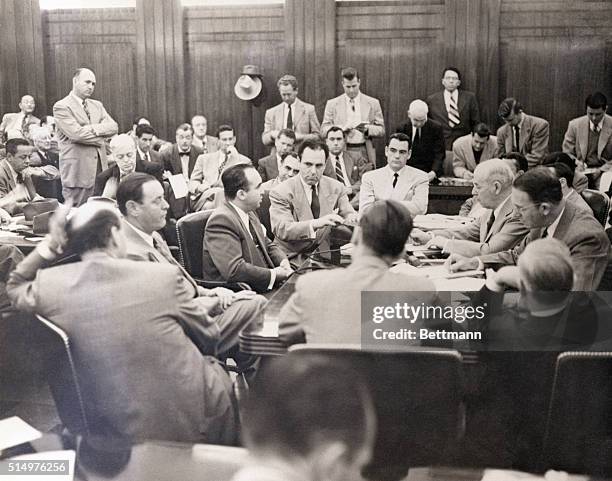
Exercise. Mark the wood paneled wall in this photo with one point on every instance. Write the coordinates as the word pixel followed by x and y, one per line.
pixel 168 62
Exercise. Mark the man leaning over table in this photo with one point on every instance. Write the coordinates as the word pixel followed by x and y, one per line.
pixel 499 228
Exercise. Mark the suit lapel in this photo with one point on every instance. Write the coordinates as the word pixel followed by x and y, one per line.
pixel 583 136
pixel 564 221
pixel 365 108
pixel 299 112
pixel 525 131
pixel 302 204
pixel 604 135
pixel 193 156
pixel 460 101
pixel 348 165
pixel 175 159
pixel 261 239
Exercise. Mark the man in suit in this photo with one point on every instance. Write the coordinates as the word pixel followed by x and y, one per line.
pixel 499 227
pixel 455 110
pixel 396 181
pixel 147 160
pixel 290 167
pixel 206 143
pixel 580 181
pixel 135 349
pixel 140 198
pixel 16 185
pixel 357 114
pixel 471 149
pixel 269 166
pixel 19 122
pixel 316 313
pixel 304 208
pixel 205 186
pixel 83 126
pixel 236 248
pixel 522 133
pixel 292 113
pixel 427 140
pixel 566 178
pixel 538 199
pixel 123 152
pixel 589 138
pixel 345 166
pixel 180 158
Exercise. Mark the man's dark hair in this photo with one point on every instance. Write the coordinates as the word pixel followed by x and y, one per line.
pixel 185 126
pixel 563 171
pixel 144 129
pixel 560 157
pixel 290 134
pixel 304 400
pixel 519 159
pixel 482 130
pixel 235 179
pixel 94 234
pixel 12 144
pixel 596 100
pixel 349 73
pixel 452 69
pixel 313 145
pixel 130 188
pixel 540 184
pixel 225 128
pixel 509 105
pixel 385 227
pixel 335 128
pixel 402 138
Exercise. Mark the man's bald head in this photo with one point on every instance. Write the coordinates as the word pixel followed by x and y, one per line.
pixel 417 112
pixel 83 83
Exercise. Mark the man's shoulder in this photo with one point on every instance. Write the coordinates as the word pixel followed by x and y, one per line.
pixel 435 97
pixel 333 101
pixel 222 214
pixel 417 174
pixel 286 188
pixel 463 141
pixel 374 174
pixel 581 223
pixel 268 159
pixel 306 105
pixel 354 155
pixel 330 184
pixel 275 109
pixel 63 102
pixel 434 125
pixel 467 94
pixel 536 121
pixel 579 121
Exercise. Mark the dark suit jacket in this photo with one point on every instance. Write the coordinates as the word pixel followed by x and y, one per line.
pixel 171 160
pixel 103 177
pixel 469 115
pixel 230 254
pixel 155 167
pixel 354 163
pixel 52 158
pixel 8 200
pixel 268 167
pixel 430 152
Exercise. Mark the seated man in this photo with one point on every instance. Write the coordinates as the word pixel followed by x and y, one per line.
pixel 345 166
pixel 397 181
pixel 269 166
pixel 136 350
pixel 305 207
pixel 205 186
pixel 499 227
pixel 147 160
pixel 123 152
pixel 538 198
pixel 472 149
pixel 580 181
pixel 16 186
pixel 19 122
pixel 290 167
pixel 207 143
pixel 565 176
pixel 310 420
pixel 43 156
pixel 326 305
pixel 236 248
pixel 140 198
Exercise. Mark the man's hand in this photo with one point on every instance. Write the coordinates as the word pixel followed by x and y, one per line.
pixel 507 276
pixel 286 264
pixel 5 217
pixel 437 241
pixel 352 219
pixel 458 263
pixel 274 134
pixel 467 175
pixel 431 175
pixel 231 150
pixel 329 219
pixel 225 295
pixel 167 174
pixel 282 273
pixel 420 237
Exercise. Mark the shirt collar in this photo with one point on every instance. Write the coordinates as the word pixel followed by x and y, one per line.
pixel 148 238
pixel 552 228
pixel 498 209
pixel 141 153
pixel 520 124
pixel 593 124
pixel 308 187
pixel 454 95
pixel 77 98
pixel 357 99
pixel 244 217
pixel 391 172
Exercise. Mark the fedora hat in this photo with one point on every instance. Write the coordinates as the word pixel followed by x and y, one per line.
pixel 248 86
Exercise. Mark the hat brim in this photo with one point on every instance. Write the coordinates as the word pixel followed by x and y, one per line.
pixel 250 93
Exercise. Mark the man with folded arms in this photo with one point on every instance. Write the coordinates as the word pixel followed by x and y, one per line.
pixel 499 227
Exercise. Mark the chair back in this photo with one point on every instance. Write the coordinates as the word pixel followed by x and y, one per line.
pixel 599 204
pixel 578 436
pixel 62 377
pixel 190 234
pixel 418 396
pixel 263 212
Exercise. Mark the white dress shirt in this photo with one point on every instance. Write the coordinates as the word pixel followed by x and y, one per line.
pixel 354 117
pixel 447 99
pixel 345 180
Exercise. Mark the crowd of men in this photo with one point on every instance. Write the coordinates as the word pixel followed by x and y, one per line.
pixel 318 177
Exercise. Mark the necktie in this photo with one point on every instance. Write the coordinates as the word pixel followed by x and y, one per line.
pixel 453 113
pixel 289 118
pixel 315 207
pixel 339 174
pixel 148 156
pixel 545 233
pixel 352 102
pixel 259 246
pixel 417 136
pixel 86 110
pixel 595 128
pixel 223 163
pixel 490 223
pixel 395 177
pixel 24 125
pixel 516 139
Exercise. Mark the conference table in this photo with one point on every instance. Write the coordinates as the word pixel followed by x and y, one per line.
pixel 19 233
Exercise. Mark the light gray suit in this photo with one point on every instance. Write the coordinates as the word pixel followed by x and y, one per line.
pixel 533 139
pixel 305 122
pixel 576 140
pixel 463 154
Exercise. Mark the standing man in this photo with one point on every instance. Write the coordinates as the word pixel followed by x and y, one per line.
pixel 207 143
pixel 292 114
pixel 522 133
pixel 347 167
pixel 427 140
pixel 455 110
pixel 396 181
pixel 359 115
pixel 83 126
pixel 269 166
pixel 470 150
pixel 19 122
pixel 589 138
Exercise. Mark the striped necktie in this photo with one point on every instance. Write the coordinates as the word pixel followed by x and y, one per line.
pixel 339 174
pixel 453 113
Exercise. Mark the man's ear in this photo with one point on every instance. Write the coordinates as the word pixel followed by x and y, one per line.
pixel 131 207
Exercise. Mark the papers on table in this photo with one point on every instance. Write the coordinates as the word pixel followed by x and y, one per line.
pixel 440 221
pixel 442 279
pixel 179 185
pixel 15 431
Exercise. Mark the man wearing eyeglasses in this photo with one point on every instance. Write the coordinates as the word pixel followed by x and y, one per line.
pixel 396 181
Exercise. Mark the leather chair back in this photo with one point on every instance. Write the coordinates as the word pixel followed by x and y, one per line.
pixel 599 204
pixel 190 233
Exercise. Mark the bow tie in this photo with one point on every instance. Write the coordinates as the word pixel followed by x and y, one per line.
pixel 184 153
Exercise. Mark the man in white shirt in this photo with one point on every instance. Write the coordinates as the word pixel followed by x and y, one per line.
pixel 207 143
pixel 396 181
pixel 20 122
